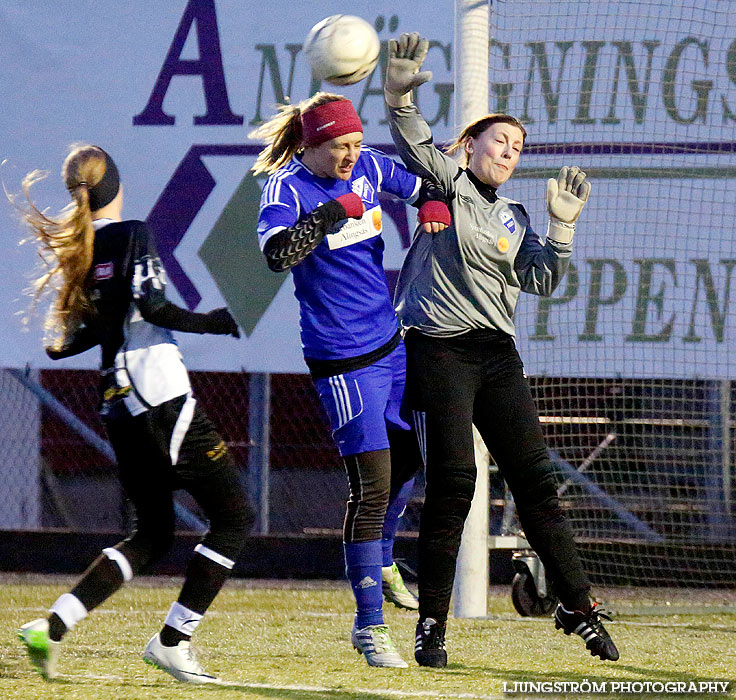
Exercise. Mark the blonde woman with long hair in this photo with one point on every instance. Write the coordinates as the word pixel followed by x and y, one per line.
pixel 108 288
pixel 320 217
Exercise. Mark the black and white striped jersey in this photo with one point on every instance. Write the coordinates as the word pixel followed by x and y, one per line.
pixel 131 320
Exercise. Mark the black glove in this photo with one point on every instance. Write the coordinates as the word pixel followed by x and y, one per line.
pixel 222 323
pixel 430 191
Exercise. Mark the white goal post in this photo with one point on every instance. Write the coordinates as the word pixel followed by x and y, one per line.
pixel 470 595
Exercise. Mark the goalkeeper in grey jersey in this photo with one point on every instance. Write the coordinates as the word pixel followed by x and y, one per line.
pixel 456 297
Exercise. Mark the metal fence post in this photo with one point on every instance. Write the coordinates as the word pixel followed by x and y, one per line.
pixel 726 457
pixel 259 432
pixel 718 465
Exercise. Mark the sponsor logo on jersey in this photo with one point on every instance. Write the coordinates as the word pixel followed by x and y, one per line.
pixel 503 244
pixel 483 234
pixel 376 218
pixel 508 221
pixel 363 189
pixel 356 230
pixel 367 582
pixel 104 271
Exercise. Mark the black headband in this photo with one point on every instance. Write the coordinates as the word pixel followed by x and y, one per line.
pixel 106 189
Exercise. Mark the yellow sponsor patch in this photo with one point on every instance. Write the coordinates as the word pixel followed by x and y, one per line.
pixel 502 245
pixel 217 451
pixel 115 392
pixel 377 223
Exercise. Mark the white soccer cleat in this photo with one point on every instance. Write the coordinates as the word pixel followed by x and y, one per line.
pixel 179 661
pixel 395 590
pixel 374 642
pixel 42 651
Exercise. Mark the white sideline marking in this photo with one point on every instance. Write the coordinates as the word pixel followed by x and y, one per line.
pixel 94 677
pixel 367 691
pixel 623 618
pixel 317 688
pixel 684 625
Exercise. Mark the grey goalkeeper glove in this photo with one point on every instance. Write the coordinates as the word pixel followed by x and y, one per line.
pixel 405 58
pixel 566 197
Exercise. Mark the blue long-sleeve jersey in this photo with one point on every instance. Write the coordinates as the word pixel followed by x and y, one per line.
pixel 344 301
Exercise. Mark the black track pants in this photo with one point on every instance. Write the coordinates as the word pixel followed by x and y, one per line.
pixel 478 378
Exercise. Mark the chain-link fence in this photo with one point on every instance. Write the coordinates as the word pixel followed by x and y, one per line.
pixel 641 462
pixel 59 471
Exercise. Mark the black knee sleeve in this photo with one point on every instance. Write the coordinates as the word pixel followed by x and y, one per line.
pixel 143 549
pixel 230 527
pixel 369 476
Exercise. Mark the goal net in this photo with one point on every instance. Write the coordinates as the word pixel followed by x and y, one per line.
pixel 632 359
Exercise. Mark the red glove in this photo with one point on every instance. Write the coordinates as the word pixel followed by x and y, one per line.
pixel 352 204
pixel 434 212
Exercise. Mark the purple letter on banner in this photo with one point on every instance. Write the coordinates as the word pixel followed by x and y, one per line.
pixel 209 66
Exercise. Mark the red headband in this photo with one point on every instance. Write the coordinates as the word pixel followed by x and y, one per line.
pixel 328 121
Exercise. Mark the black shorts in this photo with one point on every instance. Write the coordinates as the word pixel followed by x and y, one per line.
pixel 175 441
pixel 172 447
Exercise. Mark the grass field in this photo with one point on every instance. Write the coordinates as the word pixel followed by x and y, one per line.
pixel 291 641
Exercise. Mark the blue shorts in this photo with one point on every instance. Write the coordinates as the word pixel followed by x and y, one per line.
pixel 364 404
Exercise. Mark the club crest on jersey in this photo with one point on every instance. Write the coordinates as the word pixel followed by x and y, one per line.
pixel 104 271
pixel 508 221
pixel 363 189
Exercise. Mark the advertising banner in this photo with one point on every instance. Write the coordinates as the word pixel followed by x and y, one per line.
pixel 172 90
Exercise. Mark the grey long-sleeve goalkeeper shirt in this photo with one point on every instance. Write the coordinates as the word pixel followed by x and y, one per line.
pixel 468 276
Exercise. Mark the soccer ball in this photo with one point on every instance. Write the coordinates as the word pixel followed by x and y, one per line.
pixel 342 49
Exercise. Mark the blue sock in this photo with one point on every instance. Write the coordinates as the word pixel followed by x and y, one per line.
pixel 363 569
pixel 396 508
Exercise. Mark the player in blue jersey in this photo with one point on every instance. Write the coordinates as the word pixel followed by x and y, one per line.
pixel 320 218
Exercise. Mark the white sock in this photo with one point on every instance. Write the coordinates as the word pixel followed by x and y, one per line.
pixel 70 609
pixel 182 619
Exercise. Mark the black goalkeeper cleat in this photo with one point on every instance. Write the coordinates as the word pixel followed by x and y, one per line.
pixel 590 628
pixel 429 648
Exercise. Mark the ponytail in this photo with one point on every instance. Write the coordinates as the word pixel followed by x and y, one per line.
pixel 65 242
pixel 283 136
pixel 283 133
